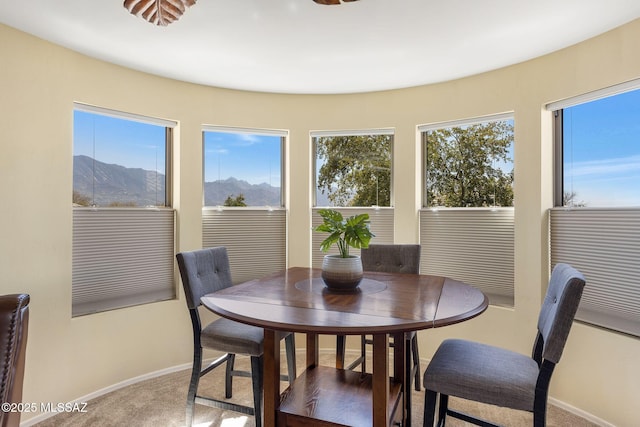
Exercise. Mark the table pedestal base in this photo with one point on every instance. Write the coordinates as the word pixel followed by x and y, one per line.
pixel 326 396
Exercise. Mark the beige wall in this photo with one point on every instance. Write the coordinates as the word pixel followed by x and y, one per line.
pixel 70 358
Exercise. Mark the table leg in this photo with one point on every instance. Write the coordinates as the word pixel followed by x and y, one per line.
pixel 271 384
pixel 380 380
pixel 340 350
pixel 402 372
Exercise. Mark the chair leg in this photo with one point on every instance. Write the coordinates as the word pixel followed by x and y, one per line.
pixel 416 361
pixel 228 383
pixel 429 408
pixel 539 418
pixel 193 384
pixel 442 410
pixel 363 352
pixel 355 363
pixel 256 379
pixel 290 345
pixel 540 409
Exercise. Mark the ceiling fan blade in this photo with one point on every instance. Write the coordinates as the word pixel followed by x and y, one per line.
pixel 158 12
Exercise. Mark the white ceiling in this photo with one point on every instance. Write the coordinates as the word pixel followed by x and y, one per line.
pixel 298 46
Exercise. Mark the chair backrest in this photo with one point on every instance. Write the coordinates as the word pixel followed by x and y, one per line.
pixel 14 323
pixel 203 271
pixel 559 309
pixel 391 258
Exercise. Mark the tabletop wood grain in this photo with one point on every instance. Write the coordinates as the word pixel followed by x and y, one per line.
pixel 291 301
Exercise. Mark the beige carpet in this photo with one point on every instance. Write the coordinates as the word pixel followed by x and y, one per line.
pixel 161 402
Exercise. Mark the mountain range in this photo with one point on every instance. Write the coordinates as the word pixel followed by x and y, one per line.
pixel 115 185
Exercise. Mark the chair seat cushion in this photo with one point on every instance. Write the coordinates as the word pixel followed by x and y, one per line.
pixel 229 336
pixel 483 373
pixel 233 337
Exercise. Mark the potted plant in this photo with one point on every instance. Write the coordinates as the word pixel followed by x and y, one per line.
pixel 343 271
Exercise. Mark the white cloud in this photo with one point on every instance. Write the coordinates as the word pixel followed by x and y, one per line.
pixel 604 166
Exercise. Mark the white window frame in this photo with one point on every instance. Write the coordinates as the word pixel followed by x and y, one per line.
pixel 354 132
pixel 123 256
pixel 473 245
pixel 603 243
pixel 284 137
pixel 255 237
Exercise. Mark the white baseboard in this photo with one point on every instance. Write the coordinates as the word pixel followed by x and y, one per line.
pixel 579 412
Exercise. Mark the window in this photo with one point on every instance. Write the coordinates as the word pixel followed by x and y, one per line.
pixel 123 230
pixel 353 168
pixel 595 225
pixel 117 161
pixel 466 224
pixel 469 164
pixel 243 167
pixel 353 175
pixel 243 198
pixel 601 152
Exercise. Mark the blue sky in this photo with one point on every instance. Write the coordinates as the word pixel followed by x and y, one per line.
pixel 118 141
pixel 252 158
pixel 602 151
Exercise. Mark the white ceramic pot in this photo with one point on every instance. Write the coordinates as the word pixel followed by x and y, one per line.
pixel 341 274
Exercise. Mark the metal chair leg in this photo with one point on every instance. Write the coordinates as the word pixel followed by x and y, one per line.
pixel 193 384
pixel 539 418
pixel 363 352
pixel 290 345
pixel 429 408
pixel 442 411
pixel 416 361
pixel 256 379
pixel 228 383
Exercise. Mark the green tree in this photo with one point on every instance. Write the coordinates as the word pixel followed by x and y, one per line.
pixel 355 170
pixel 237 201
pixel 79 199
pixel 120 204
pixel 463 165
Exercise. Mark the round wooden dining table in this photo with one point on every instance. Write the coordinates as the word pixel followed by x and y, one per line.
pixel 384 305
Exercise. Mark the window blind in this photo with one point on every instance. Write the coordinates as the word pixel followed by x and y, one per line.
pixel 603 244
pixel 381 225
pixel 255 239
pixel 473 245
pixel 121 257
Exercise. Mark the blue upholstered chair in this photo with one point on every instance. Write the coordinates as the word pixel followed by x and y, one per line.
pixel 203 272
pixel 389 259
pixel 496 376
